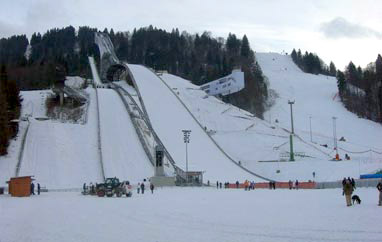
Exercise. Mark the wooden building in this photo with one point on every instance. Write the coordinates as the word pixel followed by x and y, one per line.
pixel 20 186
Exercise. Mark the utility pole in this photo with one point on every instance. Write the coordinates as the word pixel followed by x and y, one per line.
pixel 335 137
pixel 291 157
pixel 186 140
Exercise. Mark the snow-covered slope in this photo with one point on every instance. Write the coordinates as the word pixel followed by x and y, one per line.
pixel 169 117
pixel 59 155
pixel 250 140
pixel 315 96
pixel 123 155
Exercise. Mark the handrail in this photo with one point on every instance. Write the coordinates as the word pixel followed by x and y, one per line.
pixel 21 152
pixel 99 138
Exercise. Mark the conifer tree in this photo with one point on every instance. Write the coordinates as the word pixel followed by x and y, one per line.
pixel 332 69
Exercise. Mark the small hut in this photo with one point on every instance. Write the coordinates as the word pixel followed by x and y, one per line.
pixel 20 186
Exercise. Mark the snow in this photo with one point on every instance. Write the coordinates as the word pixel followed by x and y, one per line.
pixel 123 155
pixel 169 117
pixel 58 155
pixel 62 155
pixel 192 214
pixel 250 140
pixel 74 82
pixel 93 68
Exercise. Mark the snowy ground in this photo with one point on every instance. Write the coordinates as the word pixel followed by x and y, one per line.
pixel 123 155
pixel 193 214
pixel 250 139
pixel 169 117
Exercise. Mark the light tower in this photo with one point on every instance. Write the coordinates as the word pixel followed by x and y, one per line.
pixel 291 157
pixel 186 140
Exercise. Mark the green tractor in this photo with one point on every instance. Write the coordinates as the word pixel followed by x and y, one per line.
pixel 109 188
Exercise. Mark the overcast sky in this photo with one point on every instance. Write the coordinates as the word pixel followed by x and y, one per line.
pixel 337 30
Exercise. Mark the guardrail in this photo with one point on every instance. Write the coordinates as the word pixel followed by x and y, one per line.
pixel 21 151
pixel 99 138
pixel 358 183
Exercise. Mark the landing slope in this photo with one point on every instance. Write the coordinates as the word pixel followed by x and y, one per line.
pixel 60 155
pixel 169 117
pixel 123 155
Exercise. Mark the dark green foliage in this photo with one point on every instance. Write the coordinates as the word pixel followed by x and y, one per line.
pixel 9 109
pixel 341 83
pixel 332 69
pixel 199 58
pixel 310 63
pixel 360 90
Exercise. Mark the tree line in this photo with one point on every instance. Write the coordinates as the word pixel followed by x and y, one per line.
pixel 360 89
pixel 10 103
pixel 201 58
pixel 311 63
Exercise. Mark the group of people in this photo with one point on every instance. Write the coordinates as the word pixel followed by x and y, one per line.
pixel 293 185
pixel 91 188
pixel 143 185
pixel 38 189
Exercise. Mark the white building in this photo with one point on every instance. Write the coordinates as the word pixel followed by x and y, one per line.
pixel 225 85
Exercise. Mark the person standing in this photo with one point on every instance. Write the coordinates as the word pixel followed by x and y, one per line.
pixel 290 183
pixel 296 184
pixel 138 187
pixel 217 184
pixel 143 186
pixel 348 190
pixel 237 184
pixel 38 188
pixel 32 189
pixel 379 187
pixel 152 187
pixel 353 183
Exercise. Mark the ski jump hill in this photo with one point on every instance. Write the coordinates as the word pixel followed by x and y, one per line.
pixel 226 143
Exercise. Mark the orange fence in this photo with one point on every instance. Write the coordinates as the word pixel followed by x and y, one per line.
pixel 285 185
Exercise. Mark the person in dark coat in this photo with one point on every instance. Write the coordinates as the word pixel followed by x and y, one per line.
pixel 217 185
pixel 152 188
pixel 38 188
pixel 143 187
pixel 379 187
pixel 220 185
pixel 296 184
pixel 290 183
pixel 237 184
pixel 32 189
pixel 343 182
pixel 138 187
pixel 353 183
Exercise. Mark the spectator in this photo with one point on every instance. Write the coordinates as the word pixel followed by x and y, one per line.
pixel 138 187
pixel 32 189
pixel 379 187
pixel 237 184
pixel 296 184
pixel 152 187
pixel 347 191
pixel 290 183
pixel 38 188
pixel 143 186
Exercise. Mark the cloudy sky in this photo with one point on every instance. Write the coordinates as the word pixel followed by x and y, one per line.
pixel 340 30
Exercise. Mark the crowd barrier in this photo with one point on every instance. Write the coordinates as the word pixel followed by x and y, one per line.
pixel 282 185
